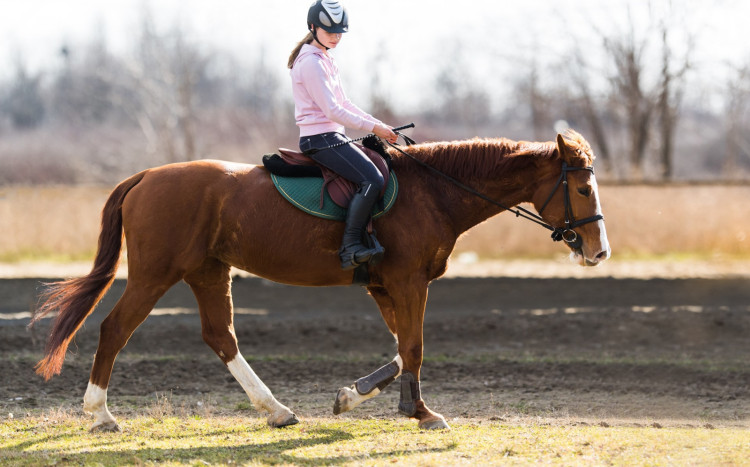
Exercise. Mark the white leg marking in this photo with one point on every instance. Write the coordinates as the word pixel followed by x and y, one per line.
pixel 95 403
pixel 349 398
pixel 260 395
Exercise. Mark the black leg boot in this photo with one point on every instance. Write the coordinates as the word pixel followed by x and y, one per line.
pixel 353 252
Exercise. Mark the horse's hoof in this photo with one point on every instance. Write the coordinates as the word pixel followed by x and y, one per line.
pixel 282 421
pixel 434 424
pixel 343 402
pixel 107 427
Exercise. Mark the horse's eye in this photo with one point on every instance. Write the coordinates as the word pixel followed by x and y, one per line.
pixel 585 191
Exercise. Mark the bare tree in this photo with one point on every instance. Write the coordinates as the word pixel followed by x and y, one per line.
pixel 588 103
pixel 78 93
pixel 380 104
pixel 460 100
pixel 531 90
pixel 23 102
pixel 670 91
pixel 737 121
pixel 649 97
pixel 627 55
pixel 157 88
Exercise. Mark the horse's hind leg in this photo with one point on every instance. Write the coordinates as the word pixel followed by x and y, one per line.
pixel 211 284
pixel 130 311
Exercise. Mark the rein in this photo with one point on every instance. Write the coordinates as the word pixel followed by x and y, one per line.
pixel 349 140
pixel 558 233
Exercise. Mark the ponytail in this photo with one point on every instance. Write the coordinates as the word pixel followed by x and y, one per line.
pixel 307 40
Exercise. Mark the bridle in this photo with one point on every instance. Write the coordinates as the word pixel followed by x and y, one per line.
pixel 565 233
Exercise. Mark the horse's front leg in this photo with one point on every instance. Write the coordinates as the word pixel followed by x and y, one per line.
pixel 409 300
pixel 367 387
pixel 403 312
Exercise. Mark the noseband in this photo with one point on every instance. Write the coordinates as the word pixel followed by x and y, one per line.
pixel 567 233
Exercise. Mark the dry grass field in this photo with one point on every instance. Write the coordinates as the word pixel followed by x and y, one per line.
pixel 58 223
pixel 704 221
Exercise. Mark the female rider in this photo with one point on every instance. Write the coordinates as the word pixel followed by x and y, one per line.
pixel 322 111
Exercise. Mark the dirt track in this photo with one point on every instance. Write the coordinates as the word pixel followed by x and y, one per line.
pixel 615 350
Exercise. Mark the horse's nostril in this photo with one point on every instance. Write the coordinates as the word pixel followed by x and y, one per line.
pixel 602 255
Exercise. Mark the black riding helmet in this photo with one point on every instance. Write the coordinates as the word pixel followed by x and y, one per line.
pixel 329 15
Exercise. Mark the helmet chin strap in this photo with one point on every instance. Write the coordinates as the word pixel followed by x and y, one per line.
pixel 315 36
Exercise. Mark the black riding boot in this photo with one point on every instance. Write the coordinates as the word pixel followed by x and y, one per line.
pixel 353 252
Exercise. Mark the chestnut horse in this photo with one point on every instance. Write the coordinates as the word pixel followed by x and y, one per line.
pixel 193 221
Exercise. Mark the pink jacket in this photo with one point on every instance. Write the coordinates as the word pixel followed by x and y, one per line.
pixel 320 105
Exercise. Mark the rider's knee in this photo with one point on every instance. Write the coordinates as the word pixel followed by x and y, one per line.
pixel 373 183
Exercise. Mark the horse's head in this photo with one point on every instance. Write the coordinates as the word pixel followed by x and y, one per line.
pixel 567 197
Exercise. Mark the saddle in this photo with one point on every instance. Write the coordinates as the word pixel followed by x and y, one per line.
pixel 295 164
pixel 300 180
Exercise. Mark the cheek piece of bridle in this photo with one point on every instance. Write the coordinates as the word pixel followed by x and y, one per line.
pixel 565 233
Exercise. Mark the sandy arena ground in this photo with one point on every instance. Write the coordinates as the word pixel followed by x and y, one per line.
pixel 627 343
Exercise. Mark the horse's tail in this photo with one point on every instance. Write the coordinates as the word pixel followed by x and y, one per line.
pixel 75 299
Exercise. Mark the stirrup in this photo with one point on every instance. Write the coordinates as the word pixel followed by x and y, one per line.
pixel 349 253
pixel 376 258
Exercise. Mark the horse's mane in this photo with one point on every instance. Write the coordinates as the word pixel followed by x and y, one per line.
pixel 478 157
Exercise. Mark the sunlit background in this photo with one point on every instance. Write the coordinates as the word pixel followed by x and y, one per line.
pixel 660 88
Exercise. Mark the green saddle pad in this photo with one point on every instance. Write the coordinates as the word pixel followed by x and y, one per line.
pixel 304 193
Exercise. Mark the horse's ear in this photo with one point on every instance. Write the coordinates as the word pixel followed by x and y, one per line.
pixel 563 149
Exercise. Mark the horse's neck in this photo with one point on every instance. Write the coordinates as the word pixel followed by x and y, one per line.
pixel 508 184
pixel 468 209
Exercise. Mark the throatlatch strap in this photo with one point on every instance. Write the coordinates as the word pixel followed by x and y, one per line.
pixel 410 394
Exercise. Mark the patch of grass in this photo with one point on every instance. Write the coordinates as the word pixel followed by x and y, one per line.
pixel 228 440
pixel 244 406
